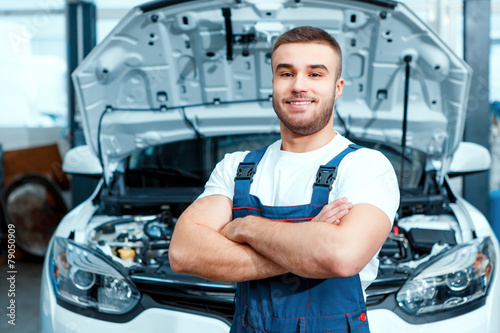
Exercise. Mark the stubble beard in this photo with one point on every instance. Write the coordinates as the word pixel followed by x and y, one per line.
pixel 313 126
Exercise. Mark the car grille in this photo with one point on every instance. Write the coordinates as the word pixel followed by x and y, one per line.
pixel 220 303
pixel 216 303
pixel 382 288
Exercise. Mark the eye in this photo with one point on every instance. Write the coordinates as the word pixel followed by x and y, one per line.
pixel 286 74
pixel 315 75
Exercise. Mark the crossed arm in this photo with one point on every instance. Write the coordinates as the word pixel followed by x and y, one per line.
pixel 208 243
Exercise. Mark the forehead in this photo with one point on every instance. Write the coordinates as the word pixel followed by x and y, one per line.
pixel 305 54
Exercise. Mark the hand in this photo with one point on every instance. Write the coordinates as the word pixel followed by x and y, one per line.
pixel 232 230
pixel 334 211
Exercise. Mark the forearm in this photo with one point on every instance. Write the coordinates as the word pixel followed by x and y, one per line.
pixel 198 248
pixel 300 248
pixel 315 249
pixel 214 257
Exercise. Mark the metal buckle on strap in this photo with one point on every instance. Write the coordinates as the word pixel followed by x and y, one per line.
pixel 326 176
pixel 245 171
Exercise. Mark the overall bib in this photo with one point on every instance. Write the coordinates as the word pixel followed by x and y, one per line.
pixel 290 303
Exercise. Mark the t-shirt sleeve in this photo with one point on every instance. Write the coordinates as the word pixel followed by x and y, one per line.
pixel 368 177
pixel 221 181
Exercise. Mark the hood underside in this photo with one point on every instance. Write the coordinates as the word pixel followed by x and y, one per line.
pixel 171 70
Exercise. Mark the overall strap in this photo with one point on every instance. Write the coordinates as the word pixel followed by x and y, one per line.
pixel 246 170
pixel 326 176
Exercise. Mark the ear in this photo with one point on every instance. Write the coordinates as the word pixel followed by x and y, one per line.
pixel 339 87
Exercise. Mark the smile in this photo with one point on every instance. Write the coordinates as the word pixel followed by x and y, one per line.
pixel 300 103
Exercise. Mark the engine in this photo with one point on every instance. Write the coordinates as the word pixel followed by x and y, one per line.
pixel 416 239
pixel 141 242
pixel 135 241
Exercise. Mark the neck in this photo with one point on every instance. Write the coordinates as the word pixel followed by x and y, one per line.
pixel 304 143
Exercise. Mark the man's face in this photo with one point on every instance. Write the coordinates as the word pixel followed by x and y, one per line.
pixel 305 86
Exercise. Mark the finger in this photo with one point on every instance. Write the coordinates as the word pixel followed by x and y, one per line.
pixel 333 205
pixel 342 200
pixel 223 231
pixel 336 203
pixel 336 210
pixel 330 214
pixel 338 216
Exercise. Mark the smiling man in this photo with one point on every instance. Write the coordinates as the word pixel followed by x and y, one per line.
pixel 277 220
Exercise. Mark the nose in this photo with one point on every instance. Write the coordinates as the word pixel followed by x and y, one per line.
pixel 299 84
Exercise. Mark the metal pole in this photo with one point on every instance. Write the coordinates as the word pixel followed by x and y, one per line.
pixel 81 38
pixel 477 126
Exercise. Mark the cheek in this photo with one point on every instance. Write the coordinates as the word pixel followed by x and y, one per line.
pixel 279 86
pixel 326 91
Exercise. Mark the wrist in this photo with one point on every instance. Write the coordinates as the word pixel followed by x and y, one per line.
pixel 251 227
pixel 243 230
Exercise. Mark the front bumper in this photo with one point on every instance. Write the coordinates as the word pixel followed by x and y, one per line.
pixel 479 320
pixel 56 318
pixel 150 320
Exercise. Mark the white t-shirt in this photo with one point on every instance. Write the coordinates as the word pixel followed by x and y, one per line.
pixel 285 179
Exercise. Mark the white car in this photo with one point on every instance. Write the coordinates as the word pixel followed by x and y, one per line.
pixel 177 84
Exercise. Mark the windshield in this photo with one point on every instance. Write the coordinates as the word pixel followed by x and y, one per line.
pixel 189 163
pixel 413 162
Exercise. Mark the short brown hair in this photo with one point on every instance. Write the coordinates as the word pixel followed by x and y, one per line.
pixel 308 34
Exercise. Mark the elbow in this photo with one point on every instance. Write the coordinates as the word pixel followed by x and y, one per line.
pixel 347 270
pixel 343 265
pixel 175 258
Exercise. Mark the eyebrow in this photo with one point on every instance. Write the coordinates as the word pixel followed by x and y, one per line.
pixel 289 66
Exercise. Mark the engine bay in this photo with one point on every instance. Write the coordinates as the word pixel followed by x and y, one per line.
pixel 135 241
pixel 138 212
pixel 140 243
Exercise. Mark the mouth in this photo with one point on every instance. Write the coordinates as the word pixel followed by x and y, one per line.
pixel 300 103
pixel 299 100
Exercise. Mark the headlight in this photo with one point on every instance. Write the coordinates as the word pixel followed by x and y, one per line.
pixel 457 278
pixel 83 277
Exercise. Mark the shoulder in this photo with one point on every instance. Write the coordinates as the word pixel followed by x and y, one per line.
pixel 221 181
pixel 367 158
pixel 233 159
pixel 371 154
pixel 367 165
pixel 367 176
pixel 363 157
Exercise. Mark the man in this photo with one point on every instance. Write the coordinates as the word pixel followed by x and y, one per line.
pixel 294 277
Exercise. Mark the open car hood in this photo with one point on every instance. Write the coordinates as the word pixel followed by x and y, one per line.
pixel 172 70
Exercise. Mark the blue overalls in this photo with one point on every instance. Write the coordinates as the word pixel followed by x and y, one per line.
pixel 290 303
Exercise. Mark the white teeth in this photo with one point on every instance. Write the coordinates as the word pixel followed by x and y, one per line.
pixel 300 103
